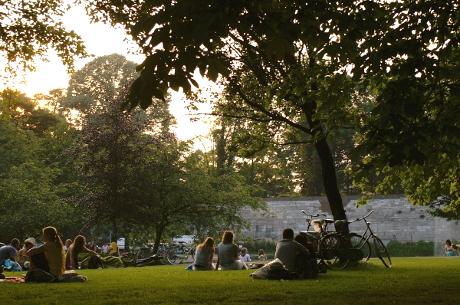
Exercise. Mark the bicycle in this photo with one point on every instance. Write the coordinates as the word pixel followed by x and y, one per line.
pixel 180 252
pixel 319 227
pixel 379 248
pixel 315 237
pixel 339 249
pixel 145 255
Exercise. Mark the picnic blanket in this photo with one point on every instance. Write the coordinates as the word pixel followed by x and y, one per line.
pixel 13 279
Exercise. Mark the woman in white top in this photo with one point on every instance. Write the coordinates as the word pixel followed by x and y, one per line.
pixel 203 255
pixel 227 254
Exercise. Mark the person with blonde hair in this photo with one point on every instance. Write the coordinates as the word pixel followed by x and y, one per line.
pixel 204 254
pixel 227 254
pixel 53 268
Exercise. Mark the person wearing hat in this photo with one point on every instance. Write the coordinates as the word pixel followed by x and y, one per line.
pixel 23 258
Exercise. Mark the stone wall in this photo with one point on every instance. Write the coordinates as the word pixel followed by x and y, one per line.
pixel 394 218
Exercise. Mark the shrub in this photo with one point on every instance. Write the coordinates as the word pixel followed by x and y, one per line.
pixel 253 245
pixel 419 248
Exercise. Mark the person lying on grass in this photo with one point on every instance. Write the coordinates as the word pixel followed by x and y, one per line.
pixel 78 246
pixel 227 254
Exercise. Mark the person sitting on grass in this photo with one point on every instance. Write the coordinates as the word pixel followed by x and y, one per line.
pixel 244 256
pixel 227 254
pixel 48 259
pixel 261 256
pixel 113 249
pixel 67 244
pixel 23 258
pixel 78 246
pixel 449 248
pixel 8 255
pixel 204 254
pixel 291 253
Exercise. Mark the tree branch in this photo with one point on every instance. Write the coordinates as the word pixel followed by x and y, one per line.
pixel 273 115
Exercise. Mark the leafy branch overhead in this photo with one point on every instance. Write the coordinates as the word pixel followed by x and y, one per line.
pixel 29 29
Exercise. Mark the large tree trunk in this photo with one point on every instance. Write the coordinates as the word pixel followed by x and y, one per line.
pixel 114 230
pixel 159 230
pixel 327 167
pixel 330 182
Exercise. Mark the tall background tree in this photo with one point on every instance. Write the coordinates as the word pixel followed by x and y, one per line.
pixel 35 180
pixel 107 151
pixel 138 174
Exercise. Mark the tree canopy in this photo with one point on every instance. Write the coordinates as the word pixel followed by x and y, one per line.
pixel 316 66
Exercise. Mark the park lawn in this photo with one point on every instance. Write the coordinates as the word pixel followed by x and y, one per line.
pixel 410 281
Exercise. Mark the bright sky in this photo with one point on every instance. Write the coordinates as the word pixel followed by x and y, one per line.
pixel 101 39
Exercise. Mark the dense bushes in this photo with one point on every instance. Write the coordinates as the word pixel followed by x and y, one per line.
pixel 419 248
pixel 253 245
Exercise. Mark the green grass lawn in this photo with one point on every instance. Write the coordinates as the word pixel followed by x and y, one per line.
pixel 410 281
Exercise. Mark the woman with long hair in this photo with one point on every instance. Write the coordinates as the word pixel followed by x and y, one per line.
pixel 204 254
pixel 227 254
pixel 78 246
pixel 52 267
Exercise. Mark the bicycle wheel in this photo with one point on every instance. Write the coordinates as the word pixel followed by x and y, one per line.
pixel 331 252
pixel 172 256
pixel 359 242
pixel 129 259
pixel 382 252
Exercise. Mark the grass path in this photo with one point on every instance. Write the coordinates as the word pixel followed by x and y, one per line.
pixel 411 281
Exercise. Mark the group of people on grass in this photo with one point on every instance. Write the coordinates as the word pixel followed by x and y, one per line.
pixel 47 261
pixel 293 252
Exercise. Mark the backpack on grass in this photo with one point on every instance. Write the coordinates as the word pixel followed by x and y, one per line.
pixel 274 270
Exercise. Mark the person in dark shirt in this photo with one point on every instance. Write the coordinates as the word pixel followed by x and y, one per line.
pixel 291 252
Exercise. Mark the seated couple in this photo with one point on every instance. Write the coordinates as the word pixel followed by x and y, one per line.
pixel 295 256
pixel 227 255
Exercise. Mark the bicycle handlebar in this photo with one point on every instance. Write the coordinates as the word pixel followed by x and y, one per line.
pixel 315 215
pixel 364 217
